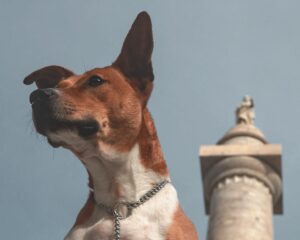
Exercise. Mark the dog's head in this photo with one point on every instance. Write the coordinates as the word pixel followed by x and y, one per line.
pixel 102 107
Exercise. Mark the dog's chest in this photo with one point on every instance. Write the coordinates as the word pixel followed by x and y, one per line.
pixel 136 228
pixel 150 221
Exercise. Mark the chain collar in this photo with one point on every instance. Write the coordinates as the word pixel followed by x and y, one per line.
pixel 115 210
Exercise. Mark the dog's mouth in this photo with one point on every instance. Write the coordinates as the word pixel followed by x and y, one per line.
pixel 49 116
pixel 85 127
pixel 47 120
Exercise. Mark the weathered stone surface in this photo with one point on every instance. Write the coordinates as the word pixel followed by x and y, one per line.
pixel 240 209
pixel 267 154
pixel 242 181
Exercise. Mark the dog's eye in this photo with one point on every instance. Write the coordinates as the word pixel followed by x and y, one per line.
pixel 95 81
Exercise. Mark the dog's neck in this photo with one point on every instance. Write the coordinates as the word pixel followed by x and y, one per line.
pixel 128 175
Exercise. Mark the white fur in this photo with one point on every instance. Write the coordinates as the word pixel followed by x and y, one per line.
pixel 147 222
pixel 111 170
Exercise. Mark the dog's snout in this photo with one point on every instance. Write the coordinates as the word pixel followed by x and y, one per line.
pixel 41 95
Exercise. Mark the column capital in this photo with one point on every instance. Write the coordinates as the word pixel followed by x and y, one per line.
pixel 261 162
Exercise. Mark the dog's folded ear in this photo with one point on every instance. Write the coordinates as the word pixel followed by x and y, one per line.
pixel 134 60
pixel 48 77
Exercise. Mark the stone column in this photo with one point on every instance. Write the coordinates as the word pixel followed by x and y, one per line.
pixel 242 184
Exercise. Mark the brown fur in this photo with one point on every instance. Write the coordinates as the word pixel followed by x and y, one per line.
pixel 151 154
pixel 86 212
pixel 182 228
pixel 119 106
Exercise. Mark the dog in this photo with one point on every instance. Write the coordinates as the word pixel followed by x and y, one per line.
pixel 102 117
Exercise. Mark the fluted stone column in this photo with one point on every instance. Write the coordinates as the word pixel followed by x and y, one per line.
pixel 242 185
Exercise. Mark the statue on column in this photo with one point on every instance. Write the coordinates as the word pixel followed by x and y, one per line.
pixel 245 111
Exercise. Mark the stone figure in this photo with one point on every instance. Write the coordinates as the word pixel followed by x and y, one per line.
pixel 245 111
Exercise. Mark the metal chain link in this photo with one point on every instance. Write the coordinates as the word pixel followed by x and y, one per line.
pixel 114 211
pixel 117 228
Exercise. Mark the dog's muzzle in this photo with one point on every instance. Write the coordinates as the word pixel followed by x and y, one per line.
pixel 50 115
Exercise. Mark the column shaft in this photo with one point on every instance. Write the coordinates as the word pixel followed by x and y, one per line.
pixel 240 209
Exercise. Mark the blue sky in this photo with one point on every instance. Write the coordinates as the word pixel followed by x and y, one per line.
pixel 208 54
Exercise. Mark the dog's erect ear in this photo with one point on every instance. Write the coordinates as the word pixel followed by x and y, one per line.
pixel 134 60
pixel 48 77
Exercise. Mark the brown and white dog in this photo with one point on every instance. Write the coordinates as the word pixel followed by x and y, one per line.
pixel 102 117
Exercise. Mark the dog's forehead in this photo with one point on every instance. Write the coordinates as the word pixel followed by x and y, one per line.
pixel 69 82
pixel 107 73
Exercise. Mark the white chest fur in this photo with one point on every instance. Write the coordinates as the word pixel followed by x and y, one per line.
pixel 150 221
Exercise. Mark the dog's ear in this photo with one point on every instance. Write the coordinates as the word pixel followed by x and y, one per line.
pixel 48 77
pixel 134 60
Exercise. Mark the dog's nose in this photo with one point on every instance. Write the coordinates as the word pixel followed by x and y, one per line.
pixel 41 95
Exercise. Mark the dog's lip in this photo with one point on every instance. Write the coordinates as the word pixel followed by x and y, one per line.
pixel 84 127
pixel 87 127
pixel 46 119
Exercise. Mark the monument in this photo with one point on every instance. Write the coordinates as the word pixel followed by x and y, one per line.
pixel 242 181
